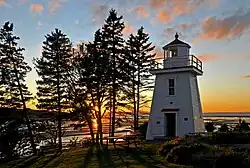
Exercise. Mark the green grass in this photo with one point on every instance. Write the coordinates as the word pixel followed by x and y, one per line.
pixel 97 157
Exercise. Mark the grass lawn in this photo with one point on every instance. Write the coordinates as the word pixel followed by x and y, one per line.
pixel 94 157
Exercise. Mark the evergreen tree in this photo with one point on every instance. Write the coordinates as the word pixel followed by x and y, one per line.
pixel 52 68
pixel 113 37
pixel 77 91
pixel 14 69
pixel 97 80
pixel 141 56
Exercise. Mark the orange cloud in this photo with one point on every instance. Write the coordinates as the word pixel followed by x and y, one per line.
pixel 36 8
pixel 208 58
pixel 128 29
pixel 184 26
pixel 179 7
pixel 246 76
pixel 163 17
pixel 229 27
pixel 157 3
pixel 141 12
pixel 3 3
pixel 55 4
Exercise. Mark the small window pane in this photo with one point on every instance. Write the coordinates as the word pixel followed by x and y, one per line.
pixel 171 91
pixel 171 82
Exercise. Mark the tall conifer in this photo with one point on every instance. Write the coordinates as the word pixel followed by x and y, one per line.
pixel 113 38
pixel 52 68
pixel 14 69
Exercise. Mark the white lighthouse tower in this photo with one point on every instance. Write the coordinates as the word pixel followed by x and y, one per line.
pixel 176 106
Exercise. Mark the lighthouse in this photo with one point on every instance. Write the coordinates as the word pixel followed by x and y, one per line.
pixel 176 106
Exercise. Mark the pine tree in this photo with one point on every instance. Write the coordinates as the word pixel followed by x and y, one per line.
pixel 14 69
pixel 113 37
pixel 52 68
pixel 141 55
pixel 77 92
pixel 98 80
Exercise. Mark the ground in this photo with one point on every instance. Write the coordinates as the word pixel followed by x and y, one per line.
pixel 93 157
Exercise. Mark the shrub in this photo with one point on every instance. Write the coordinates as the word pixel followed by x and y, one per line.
pixel 232 160
pixel 167 146
pixel 220 157
pixel 183 154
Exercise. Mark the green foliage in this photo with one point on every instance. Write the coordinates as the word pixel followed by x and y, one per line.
pixel 167 147
pixel 192 150
pixel 182 154
pixel 227 138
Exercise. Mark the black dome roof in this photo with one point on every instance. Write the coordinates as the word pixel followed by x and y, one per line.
pixel 176 42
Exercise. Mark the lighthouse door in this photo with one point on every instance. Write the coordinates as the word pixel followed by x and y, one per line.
pixel 170 124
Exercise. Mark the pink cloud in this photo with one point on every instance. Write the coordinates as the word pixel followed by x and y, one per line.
pixel 128 29
pixel 36 8
pixel 162 17
pixel 3 3
pixel 226 28
pixel 157 3
pixel 141 12
pixel 55 4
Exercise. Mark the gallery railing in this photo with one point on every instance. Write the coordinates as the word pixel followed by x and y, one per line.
pixel 178 61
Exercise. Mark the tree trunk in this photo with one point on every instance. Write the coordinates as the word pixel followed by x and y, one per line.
pixel 99 120
pixel 59 119
pixel 89 122
pixel 134 102
pixel 113 91
pixel 25 110
pixel 138 97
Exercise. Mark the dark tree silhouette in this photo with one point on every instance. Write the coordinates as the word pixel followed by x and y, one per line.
pixel 113 37
pixel 14 69
pixel 224 128
pixel 210 127
pixel 244 126
pixel 140 52
pixel 52 68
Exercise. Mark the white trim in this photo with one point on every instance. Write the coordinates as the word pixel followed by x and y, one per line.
pixel 172 112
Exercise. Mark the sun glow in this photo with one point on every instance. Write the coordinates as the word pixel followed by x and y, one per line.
pixel 94 123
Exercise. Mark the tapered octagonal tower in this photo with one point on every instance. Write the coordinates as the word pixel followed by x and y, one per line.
pixel 176 106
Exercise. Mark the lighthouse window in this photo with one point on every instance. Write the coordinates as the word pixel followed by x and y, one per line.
pixel 173 52
pixel 171 90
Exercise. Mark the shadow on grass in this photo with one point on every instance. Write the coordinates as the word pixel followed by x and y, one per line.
pixel 137 156
pixel 104 157
pixel 46 161
pixel 27 162
pixel 87 158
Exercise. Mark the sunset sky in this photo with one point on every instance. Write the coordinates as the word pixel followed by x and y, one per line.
pixel 217 30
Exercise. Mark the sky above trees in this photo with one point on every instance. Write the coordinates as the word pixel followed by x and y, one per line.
pixel 217 30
